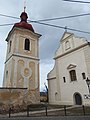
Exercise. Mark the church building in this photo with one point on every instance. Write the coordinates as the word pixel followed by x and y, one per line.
pixel 22 59
pixel 67 80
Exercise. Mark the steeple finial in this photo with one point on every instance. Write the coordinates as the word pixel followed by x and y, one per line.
pixel 65 28
pixel 24 5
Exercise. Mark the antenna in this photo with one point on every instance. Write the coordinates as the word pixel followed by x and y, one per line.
pixel 24 5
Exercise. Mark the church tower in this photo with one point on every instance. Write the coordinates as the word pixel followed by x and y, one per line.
pixel 22 58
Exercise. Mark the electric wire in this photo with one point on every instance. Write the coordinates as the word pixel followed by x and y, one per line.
pixel 64 17
pixel 76 1
pixel 7 24
pixel 61 27
pixel 50 19
pixel 50 25
pixel 9 16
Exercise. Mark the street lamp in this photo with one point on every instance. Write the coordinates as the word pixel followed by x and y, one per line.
pixel 88 84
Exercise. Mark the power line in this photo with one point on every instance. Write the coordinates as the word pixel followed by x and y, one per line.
pixel 51 25
pixel 7 24
pixel 46 24
pixel 65 17
pixel 61 27
pixel 77 30
pixel 76 1
pixel 50 19
pixel 9 16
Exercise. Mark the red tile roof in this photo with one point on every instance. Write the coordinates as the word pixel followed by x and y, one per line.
pixel 23 23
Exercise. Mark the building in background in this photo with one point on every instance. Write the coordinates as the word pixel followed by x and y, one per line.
pixel 43 96
pixel 22 59
pixel 67 80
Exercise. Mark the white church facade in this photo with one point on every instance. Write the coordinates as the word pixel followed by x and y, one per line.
pixel 67 80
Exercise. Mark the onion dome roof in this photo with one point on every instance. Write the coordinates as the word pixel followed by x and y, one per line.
pixel 23 23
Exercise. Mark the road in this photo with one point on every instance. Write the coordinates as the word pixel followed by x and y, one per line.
pixel 49 118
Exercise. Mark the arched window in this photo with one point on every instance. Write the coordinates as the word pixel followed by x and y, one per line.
pixel 27 44
pixel 67 45
pixel 73 75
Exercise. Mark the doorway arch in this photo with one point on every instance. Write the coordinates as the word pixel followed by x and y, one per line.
pixel 78 99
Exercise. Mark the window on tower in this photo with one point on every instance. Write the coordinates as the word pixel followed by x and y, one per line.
pixel 73 75
pixel 27 44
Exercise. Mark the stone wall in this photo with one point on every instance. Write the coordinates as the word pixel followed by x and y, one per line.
pixel 17 98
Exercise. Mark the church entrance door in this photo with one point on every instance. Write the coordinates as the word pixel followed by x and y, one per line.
pixel 78 99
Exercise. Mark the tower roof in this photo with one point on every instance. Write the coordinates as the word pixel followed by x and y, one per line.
pixel 23 23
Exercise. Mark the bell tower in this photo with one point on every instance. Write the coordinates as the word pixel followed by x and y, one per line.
pixel 22 57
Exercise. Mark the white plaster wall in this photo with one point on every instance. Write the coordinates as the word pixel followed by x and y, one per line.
pixel 54 86
pixel 87 59
pixel 69 88
pixel 52 73
pixel 63 58
pixel 52 90
pixel 7 80
pixel 79 41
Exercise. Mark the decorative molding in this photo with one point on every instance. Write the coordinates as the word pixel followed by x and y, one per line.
pixel 26 72
pixel 71 51
pixel 51 78
pixel 71 66
pixel 68 36
pixel 23 56
pixel 23 30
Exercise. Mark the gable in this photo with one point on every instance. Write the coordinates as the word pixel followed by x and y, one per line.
pixel 71 66
pixel 66 35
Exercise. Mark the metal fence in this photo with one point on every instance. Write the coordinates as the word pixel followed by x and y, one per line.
pixel 47 110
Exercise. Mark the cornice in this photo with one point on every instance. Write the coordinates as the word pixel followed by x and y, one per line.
pixel 22 56
pixel 51 78
pixel 71 51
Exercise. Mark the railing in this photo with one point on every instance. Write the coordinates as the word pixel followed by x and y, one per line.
pixel 48 110
pixel 39 108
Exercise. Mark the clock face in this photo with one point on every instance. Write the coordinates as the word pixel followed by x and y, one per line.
pixel 26 72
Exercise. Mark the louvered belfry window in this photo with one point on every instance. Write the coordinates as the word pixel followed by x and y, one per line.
pixel 27 44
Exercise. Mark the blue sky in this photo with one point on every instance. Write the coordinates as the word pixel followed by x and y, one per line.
pixel 49 42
